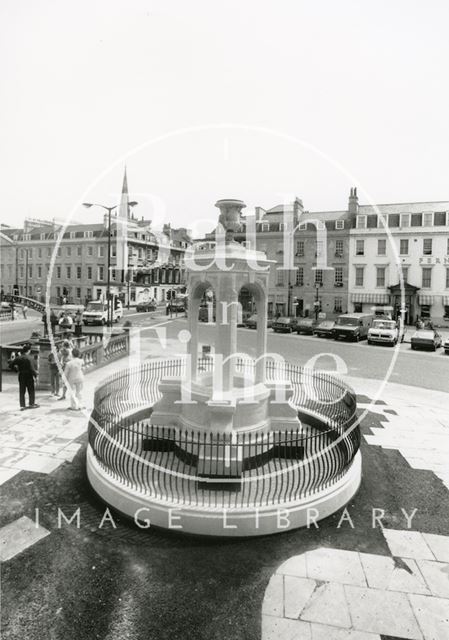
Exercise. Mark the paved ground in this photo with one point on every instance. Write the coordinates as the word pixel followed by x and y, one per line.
pixel 97 581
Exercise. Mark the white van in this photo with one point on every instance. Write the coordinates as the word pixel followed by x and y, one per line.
pixel 97 312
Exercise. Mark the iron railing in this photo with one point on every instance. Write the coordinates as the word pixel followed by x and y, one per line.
pixel 239 470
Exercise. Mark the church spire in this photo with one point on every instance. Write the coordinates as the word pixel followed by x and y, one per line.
pixel 125 183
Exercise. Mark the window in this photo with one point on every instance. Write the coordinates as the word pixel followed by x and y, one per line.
pixel 39 271
pixel 381 247
pixel 339 248
pixel 380 277
pixel 319 276
pixel 371 222
pixel 302 226
pixel 30 271
pixel 265 226
pixel 90 250
pixel 358 307
pixel 300 248
pixel 100 273
pixel 360 247
pixel 88 234
pixel 279 278
pixel 39 252
pixel 113 274
pixel 300 277
pixel 361 222
pixel 405 219
pixel 20 270
pixel 359 276
pixel 447 248
pixel 427 219
pixel 27 237
pixel 416 220
pixel 427 246
pixel 426 277
pixel 281 226
pixel 114 251
pixel 338 305
pixel 58 291
pixel 68 272
pixel 339 224
pixel 393 220
pixel 48 252
pixel 89 273
pixel 78 273
pixel 72 235
pixel 338 276
pixel 447 278
pixel 403 247
pixel 78 292
pixel 101 251
pixel 439 219
pixel 68 251
pixel 30 254
pixel 58 272
pixel 79 250
pixel 58 253
pixel 42 236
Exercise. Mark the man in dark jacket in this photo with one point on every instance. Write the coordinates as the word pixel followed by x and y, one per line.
pixel 24 364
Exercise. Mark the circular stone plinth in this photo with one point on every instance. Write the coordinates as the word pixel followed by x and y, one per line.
pixel 219 521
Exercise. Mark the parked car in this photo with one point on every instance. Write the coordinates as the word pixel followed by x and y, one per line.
pixel 426 339
pixel 325 329
pixel 284 324
pixel 385 331
pixel 146 305
pixel 306 326
pixel 446 346
pixel 354 326
pixel 251 322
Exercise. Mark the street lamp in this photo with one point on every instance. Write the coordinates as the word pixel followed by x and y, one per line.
pixel 88 205
pixel 316 304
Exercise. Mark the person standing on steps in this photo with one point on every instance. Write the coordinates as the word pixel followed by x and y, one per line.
pixel 24 364
pixel 75 378
pixel 65 355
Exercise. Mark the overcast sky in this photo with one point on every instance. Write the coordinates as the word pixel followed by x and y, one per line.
pixel 358 89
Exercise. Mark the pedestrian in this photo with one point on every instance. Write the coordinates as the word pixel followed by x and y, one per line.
pixel 78 323
pixel 53 321
pixel 24 311
pixel 45 323
pixel 75 378
pixel 65 321
pixel 24 364
pixel 53 360
pixel 65 355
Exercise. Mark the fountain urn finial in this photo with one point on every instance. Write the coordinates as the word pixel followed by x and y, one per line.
pixel 230 216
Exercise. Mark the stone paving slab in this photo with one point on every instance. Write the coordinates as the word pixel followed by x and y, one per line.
pixel 346 594
pixel 18 536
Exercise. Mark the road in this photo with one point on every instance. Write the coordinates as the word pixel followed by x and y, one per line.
pixel 414 368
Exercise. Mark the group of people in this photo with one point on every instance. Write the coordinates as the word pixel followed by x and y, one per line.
pixel 65 322
pixel 425 323
pixel 66 359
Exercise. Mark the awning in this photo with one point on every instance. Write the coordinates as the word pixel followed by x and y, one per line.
pixel 374 298
pixel 425 299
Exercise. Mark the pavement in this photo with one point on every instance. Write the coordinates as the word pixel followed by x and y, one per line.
pixel 377 570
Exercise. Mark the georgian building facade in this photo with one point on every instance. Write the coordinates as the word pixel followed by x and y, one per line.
pixel 412 238
pixel 80 254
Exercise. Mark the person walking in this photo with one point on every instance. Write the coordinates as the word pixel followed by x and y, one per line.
pixel 24 311
pixel 78 323
pixel 53 321
pixel 75 379
pixel 65 357
pixel 24 364
pixel 53 358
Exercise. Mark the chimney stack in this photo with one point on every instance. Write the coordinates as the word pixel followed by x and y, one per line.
pixel 353 202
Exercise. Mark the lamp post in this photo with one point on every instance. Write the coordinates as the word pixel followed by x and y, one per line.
pixel 316 304
pixel 88 205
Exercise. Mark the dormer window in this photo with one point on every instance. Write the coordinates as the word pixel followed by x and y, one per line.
pixel 42 236
pixel 339 224
pixel 405 219
pixel 88 234
pixel 361 222
pixel 428 219
pixel 265 226
pixel 72 235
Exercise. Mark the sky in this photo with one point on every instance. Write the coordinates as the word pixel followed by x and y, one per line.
pixel 202 100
